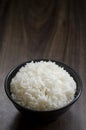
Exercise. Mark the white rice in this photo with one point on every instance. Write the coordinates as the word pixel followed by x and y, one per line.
pixel 43 86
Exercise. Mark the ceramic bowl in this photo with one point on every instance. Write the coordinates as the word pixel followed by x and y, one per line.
pixel 43 116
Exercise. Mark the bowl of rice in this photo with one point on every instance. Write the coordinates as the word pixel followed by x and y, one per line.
pixel 43 89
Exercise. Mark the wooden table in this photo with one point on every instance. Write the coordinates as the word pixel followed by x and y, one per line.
pixel 33 29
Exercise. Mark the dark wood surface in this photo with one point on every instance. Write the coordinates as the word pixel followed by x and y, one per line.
pixel 33 29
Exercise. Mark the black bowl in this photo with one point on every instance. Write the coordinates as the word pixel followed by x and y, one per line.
pixel 43 116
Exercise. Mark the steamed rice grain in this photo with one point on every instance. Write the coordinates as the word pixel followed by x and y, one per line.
pixel 42 86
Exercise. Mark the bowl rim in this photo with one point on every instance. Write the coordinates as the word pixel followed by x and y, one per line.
pixel 61 64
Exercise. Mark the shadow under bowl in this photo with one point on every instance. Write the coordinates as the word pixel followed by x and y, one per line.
pixel 43 116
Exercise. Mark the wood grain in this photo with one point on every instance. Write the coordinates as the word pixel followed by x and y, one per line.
pixel 33 29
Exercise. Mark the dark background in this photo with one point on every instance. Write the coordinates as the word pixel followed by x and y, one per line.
pixel 33 29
